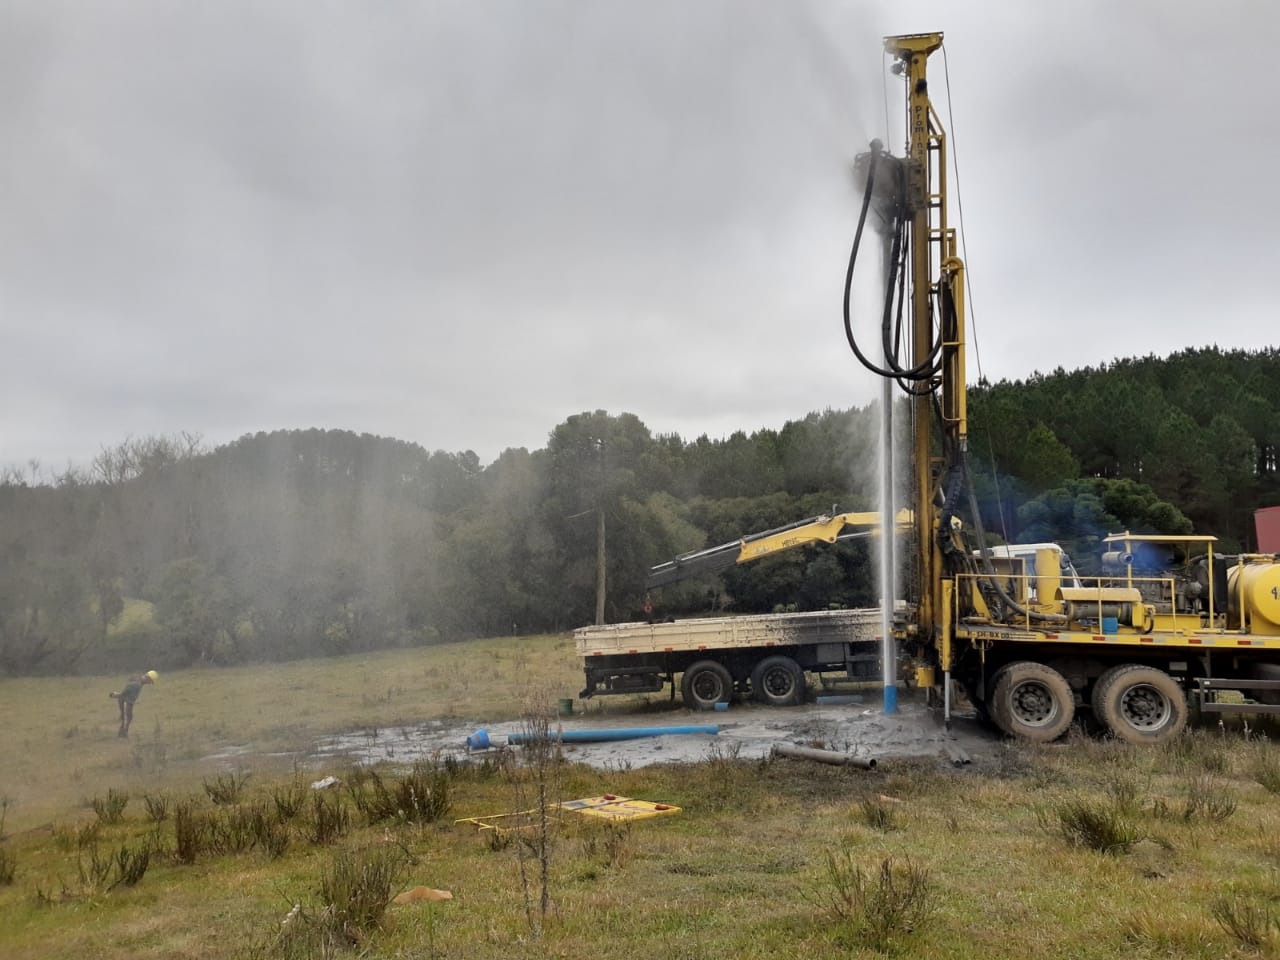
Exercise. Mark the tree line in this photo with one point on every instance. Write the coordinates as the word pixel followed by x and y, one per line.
pixel 315 542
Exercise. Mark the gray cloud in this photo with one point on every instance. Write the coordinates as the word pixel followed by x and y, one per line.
pixel 458 223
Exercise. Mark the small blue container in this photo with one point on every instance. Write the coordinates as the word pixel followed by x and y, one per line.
pixel 1110 625
pixel 478 740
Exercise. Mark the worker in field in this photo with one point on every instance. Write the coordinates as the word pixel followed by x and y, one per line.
pixel 127 697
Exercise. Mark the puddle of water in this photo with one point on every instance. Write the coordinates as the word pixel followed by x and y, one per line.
pixel 746 731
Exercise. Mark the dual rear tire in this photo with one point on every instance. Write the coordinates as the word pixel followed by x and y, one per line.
pixel 1139 704
pixel 1136 703
pixel 1031 701
pixel 777 681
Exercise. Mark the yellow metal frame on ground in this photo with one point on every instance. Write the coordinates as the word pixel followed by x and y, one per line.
pixel 610 807
pixel 605 807
pixel 507 824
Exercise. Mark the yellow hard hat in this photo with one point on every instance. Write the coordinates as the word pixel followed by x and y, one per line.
pixel 152 676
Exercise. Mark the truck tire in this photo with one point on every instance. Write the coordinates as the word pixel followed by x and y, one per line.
pixel 778 681
pixel 705 684
pixel 1140 704
pixel 1032 702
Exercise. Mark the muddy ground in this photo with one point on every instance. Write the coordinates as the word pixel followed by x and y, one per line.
pixel 859 728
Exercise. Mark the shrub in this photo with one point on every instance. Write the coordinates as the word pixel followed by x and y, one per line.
pixel 269 834
pixel 1207 800
pixel 1267 771
pixel 1097 826
pixel 877 814
pixel 77 837
pixel 158 807
pixel 226 788
pixel 421 796
pixel 190 830
pixel 131 864
pixel 110 809
pixel 126 866
pixel 1196 750
pixel 611 843
pixel 232 830
pixel 356 890
pixel 424 793
pixel 875 906
pixel 1126 794
pixel 274 840
pixel 330 819
pixel 289 800
pixel 1247 919
pixel 94 868
pixel 354 893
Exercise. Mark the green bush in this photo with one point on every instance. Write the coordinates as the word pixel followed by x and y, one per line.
pixel 232 830
pixel 877 814
pixel 226 788
pixel 356 889
pixel 1208 801
pixel 158 807
pixel 1266 771
pixel 289 800
pixel 1248 919
pixel 100 873
pixel 873 907
pixel 1097 826
pixel 110 809
pixel 131 864
pixel 330 820
pixel 421 796
pixel 190 830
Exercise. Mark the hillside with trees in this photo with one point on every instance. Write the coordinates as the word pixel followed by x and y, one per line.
pixel 316 542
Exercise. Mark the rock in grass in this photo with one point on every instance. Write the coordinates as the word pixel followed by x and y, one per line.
pixel 417 894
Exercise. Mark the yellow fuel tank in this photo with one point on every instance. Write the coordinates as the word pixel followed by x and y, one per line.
pixel 1255 591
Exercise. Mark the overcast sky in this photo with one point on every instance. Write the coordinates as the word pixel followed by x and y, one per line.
pixel 458 223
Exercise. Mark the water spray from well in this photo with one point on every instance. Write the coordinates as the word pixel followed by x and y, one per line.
pixel 888 534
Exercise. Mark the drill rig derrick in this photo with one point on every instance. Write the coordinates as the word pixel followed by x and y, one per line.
pixel 1028 644
pixel 923 277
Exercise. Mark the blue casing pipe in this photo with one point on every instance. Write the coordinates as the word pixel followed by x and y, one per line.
pixel 601 736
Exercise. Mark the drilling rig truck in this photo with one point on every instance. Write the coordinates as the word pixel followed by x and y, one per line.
pixel 1169 621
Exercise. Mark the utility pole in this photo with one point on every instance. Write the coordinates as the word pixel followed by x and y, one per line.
pixel 600 565
pixel 600 554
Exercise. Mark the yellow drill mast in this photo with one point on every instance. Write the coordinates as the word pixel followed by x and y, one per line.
pixel 936 326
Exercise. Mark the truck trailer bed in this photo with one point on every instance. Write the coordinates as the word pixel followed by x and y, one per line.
pixel 719 633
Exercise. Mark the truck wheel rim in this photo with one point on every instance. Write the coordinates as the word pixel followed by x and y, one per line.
pixel 1033 704
pixel 778 682
pixel 707 686
pixel 1144 707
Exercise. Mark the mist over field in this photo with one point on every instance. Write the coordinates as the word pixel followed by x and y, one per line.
pixel 292 544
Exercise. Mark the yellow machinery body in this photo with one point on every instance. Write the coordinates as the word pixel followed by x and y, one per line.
pixel 1255 594
pixel 1024 636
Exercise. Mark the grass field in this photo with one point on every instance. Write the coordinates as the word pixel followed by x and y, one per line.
pixel 1086 849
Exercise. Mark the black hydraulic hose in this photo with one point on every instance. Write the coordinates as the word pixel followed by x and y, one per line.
pixel 928 367
pixel 923 386
pixel 891 332
pixel 848 276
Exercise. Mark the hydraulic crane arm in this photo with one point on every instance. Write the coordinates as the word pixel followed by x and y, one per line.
pixel 819 529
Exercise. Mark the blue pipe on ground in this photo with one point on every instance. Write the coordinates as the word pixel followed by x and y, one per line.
pixel 604 735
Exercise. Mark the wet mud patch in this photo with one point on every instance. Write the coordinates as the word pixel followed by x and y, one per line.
pixel 745 731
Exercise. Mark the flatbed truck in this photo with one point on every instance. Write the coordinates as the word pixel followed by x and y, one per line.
pixel 717 659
